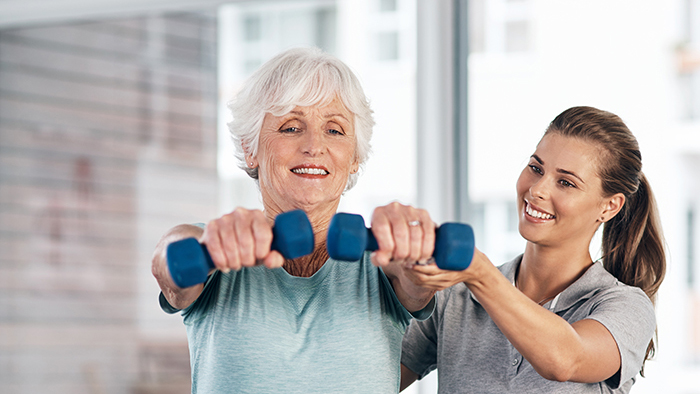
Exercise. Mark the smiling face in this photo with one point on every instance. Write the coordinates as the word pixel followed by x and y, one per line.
pixel 560 197
pixel 305 157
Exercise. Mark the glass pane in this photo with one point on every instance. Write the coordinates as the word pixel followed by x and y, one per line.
pixel 387 45
pixel 387 5
pixel 107 139
pixel 517 36
pixel 252 28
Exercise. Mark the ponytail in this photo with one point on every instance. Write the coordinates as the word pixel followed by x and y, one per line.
pixel 633 246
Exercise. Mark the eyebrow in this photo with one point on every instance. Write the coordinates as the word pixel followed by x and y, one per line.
pixel 326 116
pixel 559 170
pixel 336 115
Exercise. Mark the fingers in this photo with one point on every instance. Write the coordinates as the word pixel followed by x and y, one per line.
pixel 240 239
pixel 431 277
pixel 404 234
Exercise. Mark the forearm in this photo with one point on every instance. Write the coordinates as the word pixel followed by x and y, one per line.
pixel 553 346
pixel 176 296
pixel 412 296
pixel 548 342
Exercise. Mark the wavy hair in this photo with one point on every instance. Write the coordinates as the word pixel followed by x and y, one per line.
pixel 298 77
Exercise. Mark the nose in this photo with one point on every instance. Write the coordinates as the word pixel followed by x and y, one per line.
pixel 539 189
pixel 313 142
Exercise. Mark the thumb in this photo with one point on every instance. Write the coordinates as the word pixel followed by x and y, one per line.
pixel 380 258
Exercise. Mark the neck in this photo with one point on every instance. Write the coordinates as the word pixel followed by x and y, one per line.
pixel 545 271
pixel 320 218
pixel 306 266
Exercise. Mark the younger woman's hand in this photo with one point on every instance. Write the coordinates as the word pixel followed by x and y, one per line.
pixel 431 277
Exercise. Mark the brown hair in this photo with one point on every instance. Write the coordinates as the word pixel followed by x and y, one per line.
pixel 633 245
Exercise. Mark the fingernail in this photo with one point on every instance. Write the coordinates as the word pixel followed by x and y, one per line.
pixel 226 270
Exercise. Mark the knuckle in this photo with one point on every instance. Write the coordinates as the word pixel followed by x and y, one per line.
pixel 239 213
pixel 400 254
pixel 212 226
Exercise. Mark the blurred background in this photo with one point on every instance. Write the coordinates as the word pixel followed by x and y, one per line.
pixel 112 130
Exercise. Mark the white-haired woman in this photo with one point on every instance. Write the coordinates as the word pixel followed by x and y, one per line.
pixel 261 323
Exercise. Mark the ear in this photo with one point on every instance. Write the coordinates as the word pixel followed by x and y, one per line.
pixel 355 165
pixel 251 161
pixel 612 206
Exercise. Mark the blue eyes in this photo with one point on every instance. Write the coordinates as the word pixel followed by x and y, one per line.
pixel 293 130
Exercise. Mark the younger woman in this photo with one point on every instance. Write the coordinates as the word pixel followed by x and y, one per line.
pixel 553 320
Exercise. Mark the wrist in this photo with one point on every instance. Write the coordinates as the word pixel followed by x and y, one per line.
pixel 479 271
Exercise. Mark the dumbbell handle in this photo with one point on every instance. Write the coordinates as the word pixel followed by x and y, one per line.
pixel 189 261
pixel 348 238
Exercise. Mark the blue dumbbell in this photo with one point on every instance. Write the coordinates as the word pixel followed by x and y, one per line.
pixel 348 238
pixel 189 261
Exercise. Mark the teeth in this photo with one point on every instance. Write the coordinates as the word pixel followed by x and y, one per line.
pixel 537 214
pixel 310 171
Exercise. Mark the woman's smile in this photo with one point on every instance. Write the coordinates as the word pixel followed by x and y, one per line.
pixel 310 171
pixel 535 213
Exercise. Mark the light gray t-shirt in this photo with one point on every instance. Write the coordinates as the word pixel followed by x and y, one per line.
pixel 473 356
pixel 264 331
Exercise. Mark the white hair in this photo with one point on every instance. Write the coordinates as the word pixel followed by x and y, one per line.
pixel 297 77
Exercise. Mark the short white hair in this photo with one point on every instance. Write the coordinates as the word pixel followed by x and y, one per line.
pixel 298 77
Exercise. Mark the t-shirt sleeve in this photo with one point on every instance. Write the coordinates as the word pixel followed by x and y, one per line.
pixel 629 316
pixel 419 346
pixel 391 302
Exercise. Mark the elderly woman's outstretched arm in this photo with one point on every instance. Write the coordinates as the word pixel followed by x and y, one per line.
pixel 405 235
pixel 238 239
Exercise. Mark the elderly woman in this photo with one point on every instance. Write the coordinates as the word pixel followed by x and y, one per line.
pixel 263 324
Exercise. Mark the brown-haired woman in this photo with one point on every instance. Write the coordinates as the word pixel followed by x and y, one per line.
pixel 552 320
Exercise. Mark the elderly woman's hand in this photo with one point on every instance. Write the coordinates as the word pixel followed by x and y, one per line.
pixel 404 234
pixel 240 239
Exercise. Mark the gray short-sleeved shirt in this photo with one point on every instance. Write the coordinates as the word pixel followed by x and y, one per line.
pixel 473 356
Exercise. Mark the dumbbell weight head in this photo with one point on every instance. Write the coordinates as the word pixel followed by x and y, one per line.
pixel 292 234
pixel 347 237
pixel 454 246
pixel 189 262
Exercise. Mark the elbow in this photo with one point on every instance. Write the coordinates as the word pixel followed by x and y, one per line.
pixel 557 375
pixel 558 370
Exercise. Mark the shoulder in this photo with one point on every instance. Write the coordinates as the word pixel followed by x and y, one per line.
pixel 610 288
pixel 597 287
